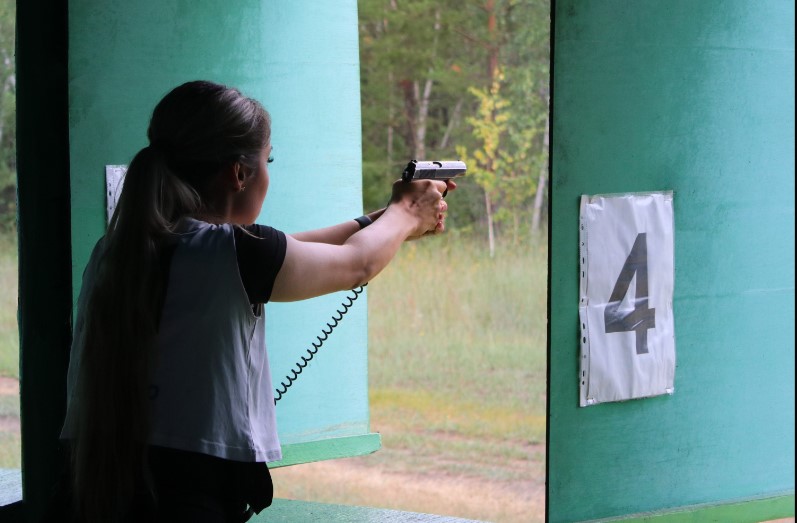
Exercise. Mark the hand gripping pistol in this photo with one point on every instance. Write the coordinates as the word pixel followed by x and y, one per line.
pixel 433 170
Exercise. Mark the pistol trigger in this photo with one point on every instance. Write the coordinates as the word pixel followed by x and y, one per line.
pixel 445 192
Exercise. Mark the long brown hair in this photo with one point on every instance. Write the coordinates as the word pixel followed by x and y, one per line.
pixel 195 130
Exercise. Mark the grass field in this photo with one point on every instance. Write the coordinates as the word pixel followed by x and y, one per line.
pixel 458 338
pixel 10 450
pixel 457 376
pixel 9 337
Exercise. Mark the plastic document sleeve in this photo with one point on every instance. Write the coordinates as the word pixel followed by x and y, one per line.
pixel 626 291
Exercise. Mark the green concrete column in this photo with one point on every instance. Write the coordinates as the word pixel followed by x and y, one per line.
pixel 697 98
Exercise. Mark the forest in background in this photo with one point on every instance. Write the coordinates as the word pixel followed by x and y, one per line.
pixel 464 80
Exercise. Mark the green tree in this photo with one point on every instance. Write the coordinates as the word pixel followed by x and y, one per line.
pixel 527 58
pixel 510 125
pixel 499 161
pixel 7 113
pixel 415 70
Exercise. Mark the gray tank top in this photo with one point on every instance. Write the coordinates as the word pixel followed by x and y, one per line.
pixel 210 386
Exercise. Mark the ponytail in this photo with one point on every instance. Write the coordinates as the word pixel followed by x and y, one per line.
pixel 109 455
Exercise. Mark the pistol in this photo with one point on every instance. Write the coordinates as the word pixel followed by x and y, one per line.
pixel 421 170
pixel 433 170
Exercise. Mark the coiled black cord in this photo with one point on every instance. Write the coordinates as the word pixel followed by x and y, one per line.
pixel 311 352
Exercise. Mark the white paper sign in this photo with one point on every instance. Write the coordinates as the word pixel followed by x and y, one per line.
pixel 627 279
pixel 114 179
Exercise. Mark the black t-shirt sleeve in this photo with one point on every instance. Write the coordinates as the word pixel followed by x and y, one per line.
pixel 260 250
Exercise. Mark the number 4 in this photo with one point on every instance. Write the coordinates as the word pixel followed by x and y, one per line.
pixel 641 318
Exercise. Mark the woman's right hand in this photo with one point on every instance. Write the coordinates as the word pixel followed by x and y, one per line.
pixel 423 201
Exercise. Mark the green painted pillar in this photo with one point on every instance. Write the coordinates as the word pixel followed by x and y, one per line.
pixel 301 61
pixel 90 74
pixel 697 98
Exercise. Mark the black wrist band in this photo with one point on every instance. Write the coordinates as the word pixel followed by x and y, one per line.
pixel 364 221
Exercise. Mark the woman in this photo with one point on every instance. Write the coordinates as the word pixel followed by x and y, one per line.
pixel 171 414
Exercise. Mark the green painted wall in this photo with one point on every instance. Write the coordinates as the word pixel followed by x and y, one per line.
pixel 301 61
pixel 697 98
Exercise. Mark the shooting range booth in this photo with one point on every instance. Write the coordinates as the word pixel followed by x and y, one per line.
pixel 694 100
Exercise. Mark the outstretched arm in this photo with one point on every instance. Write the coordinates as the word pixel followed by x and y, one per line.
pixel 336 234
pixel 312 269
